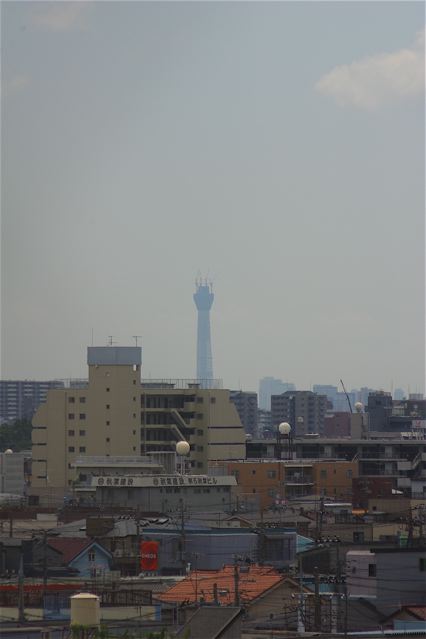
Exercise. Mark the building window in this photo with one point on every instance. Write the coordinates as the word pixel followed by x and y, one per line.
pixel 200 449
pixel 71 449
pixel 107 406
pixel 134 415
pixel 134 399
pixel 71 433
pixel 108 440
pixel 82 449
pixel 200 400
pixel 134 432
pixel 107 423
pixel 372 570
pixel 422 564
pixel 82 433
pixel 323 474
pixel 82 400
pixel 91 555
pixel 107 390
pixel 349 473
pixel 358 537
pixel 271 474
pixel 199 415
pixel 213 400
pixel 70 415
pixel 199 432
pixel 82 416
pixel 253 472
pixel 71 400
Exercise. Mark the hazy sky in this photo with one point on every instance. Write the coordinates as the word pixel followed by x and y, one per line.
pixel 277 147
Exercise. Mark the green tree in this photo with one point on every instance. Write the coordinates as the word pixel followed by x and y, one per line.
pixel 16 436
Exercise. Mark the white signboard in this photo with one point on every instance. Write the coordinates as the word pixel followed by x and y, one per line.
pixel 419 423
pixel 150 481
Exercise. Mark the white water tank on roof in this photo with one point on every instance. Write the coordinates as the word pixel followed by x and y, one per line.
pixel 85 610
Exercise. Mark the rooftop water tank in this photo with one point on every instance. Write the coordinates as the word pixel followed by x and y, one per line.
pixel 85 610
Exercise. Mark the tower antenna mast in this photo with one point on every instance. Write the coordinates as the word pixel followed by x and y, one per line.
pixel 203 298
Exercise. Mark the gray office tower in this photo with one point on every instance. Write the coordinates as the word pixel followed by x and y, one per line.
pixel 203 298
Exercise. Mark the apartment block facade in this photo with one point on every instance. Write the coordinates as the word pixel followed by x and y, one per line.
pixel 303 410
pixel 273 481
pixel 19 399
pixel 115 414
pixel 246 405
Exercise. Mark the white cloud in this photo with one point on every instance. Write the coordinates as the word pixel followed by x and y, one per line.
pixel 60 16
pixel 376 80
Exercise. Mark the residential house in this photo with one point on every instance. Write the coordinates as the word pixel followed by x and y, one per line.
pixel 86 556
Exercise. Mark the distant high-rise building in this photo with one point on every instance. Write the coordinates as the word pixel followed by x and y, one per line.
pixel 203 298
pixel 303 410
pixel 19 399
pixel 246 405
pixel 264 424
pixel 326 389
pixel 363 393
pixel 399 394
pixel 269 386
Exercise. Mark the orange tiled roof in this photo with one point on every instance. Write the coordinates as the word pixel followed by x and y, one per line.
pixel 418 611
pixel 253 582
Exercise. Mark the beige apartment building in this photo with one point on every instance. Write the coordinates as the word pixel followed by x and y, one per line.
pixel 115 414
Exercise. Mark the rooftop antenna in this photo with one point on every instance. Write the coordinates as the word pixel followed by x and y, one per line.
pixel 110 340
pixel 136 337
pixel 347 396
pixel 92 336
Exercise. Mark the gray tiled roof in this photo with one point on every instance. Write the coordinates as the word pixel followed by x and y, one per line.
pixel 208 622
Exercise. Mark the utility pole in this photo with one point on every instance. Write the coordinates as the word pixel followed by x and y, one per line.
pixel 138 545
pixel 182 537
pixel 44 566
pixel 236 585
pixel 21 604
pixel 300 609
pixel 317 602
pixel 321 516
pixel 346 611
pixel 410 528
pixel 215 596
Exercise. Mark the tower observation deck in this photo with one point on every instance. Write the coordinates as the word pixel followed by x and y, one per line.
pixel 203 298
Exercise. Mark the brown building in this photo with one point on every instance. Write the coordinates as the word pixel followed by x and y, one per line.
pixel 274 482
pixel 337 424
pixel 366 488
